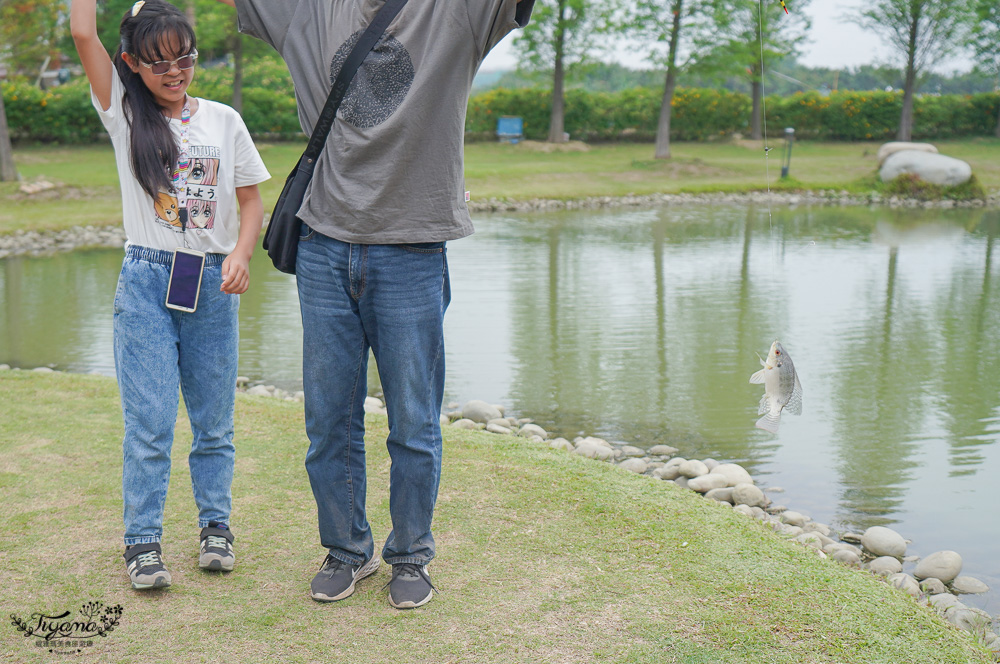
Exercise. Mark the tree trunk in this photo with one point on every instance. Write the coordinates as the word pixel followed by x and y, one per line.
pixel 557 132
pixel 756 93
pixel 666 106
pixel 7 170
pixel 906 117
pixel 238 73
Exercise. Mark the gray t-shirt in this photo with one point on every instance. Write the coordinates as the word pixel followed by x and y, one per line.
pixel 392 169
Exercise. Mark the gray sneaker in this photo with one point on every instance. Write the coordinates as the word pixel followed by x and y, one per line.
pixel 335 579
pixel 216 552
pixel 410 586
pixel 144 563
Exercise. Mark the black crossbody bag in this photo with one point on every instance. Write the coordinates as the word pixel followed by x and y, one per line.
pixel 281 239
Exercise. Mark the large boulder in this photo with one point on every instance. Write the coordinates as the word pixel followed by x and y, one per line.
pixel 944 565
pixel 889 149
pixel 929 167
pixel 882 541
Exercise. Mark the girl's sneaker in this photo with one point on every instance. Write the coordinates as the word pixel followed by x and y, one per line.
pixel 217 548
pixel 144 563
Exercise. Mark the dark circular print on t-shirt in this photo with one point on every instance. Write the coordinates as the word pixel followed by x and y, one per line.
pixel 380 85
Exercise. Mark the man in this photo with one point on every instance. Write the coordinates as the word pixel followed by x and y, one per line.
pixel 372 272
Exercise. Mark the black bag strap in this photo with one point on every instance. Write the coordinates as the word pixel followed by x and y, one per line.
pixel 358 54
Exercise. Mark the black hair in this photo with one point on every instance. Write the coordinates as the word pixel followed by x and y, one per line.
pixel 144 37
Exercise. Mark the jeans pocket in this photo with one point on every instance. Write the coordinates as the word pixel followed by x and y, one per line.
pixel 424 247
pixel 305 232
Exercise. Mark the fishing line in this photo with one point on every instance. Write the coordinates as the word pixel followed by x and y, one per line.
pixel 763 112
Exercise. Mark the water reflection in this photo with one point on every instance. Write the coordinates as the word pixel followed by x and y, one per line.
pixel 642 325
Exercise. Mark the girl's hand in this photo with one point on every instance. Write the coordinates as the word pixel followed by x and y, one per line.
pixel 235 273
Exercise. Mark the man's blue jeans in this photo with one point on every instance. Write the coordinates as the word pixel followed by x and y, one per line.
pixel 156 350
pixel 390 299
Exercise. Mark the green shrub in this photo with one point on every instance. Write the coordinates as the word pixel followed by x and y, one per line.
pixel 909 185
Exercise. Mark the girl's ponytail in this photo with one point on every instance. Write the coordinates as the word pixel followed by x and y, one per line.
pixel 144 36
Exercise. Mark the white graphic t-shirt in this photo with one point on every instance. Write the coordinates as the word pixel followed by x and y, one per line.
pixel 223 157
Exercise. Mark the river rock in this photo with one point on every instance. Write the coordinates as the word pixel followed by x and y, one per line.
pixel 892 148
pixel 632 452
pixel 259 391
pixel 967 585
pixel 480 411
pixel 809 539
pixel 374 405
pixel 971 620
pixel 882 541
pixel 662 450
pixel 695 468
pixel 943 600
pixel 847 557
pixel 793 518
pixel 906 583
pixel 834 547
pixel 929 167
pixel 637 466
pixel 592 440
pixel 711 464
pixel 742 509
pixel 592 450
pixel 466 423
pixel 723 495
pixel 944 565
pixel 886 566
pixel 734 473
pixel 681 481
pixel 667 472
pixel 705 483
pixel 496 427
pixel 529 430
pixel 933 586
pixel 816 527
pixel 747 494
pixel 561 444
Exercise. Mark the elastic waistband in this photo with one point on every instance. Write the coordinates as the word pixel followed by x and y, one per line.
pixel 164 257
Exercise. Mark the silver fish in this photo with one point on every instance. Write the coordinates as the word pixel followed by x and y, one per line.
pixel 782 390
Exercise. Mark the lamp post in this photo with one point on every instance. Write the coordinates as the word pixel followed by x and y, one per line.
pixel 786 160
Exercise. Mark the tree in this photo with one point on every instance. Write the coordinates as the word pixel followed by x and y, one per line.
pixel 985 42
pixel 922 31
pixel 748 35
pixel 29 33
pixel 218 35
pixel 7 170
pixel 676 26
pixel 561 35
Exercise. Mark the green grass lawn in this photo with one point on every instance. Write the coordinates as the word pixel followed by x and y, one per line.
pixel 88 183
pixel 543 556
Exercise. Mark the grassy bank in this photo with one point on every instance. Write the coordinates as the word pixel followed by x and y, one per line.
pixel 543 557
pixel 88 183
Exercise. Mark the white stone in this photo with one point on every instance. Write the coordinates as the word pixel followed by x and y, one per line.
pixel 943 600
pixel 561 444
pixel 744 509
pixel 705 483
pixel 637 466
pixel 667 473
pixel 593 451
pixel 465 423
pixel 259 391
pixel 747 494
pixel 933 586
pixel 662 450
pixel 929 167
pixel 695 468
pixel 493 427
pixel 793 518
pixel 886 566
pixel 896 146
pixel 906 583
pixel 846 556
pixel 632 451
pixel 480 411
pixel 591 440
pixel 968 585
pixel 816 527
pixel 882 541
pixel 529 430
pixel 809 539
pixel 944 565
pixel 734 473
pixel 722 495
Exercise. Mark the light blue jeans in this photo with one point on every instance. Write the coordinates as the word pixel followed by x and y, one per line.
pixel 390 299
pixel 158 350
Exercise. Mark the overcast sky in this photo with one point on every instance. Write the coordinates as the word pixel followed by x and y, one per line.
pixel 832 42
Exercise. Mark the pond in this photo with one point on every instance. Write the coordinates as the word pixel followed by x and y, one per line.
pixel 643 325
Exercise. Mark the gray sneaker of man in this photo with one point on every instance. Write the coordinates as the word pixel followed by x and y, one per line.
pixel 410 586
pixel 144 563
pixel 335 579
pixel 216 551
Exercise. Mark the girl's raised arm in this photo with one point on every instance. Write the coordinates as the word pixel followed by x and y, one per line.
pixel 95 59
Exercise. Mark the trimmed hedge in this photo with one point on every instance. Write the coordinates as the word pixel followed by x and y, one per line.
pixel 64 114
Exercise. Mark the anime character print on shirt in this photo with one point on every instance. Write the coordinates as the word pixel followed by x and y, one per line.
pixel 202 183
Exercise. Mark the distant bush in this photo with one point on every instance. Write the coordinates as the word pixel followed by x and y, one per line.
pixel 59 115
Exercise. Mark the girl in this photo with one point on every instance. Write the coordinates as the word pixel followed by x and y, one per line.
pixel 158 131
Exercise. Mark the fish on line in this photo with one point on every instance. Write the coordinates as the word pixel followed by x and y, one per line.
pixel 782 390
